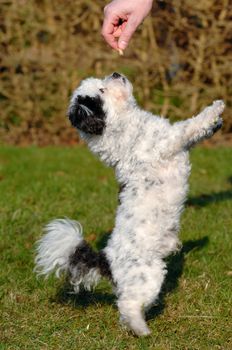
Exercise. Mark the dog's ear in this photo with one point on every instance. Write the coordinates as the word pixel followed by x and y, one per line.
pixel 86 113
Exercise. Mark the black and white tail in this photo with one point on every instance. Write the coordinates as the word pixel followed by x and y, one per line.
pixel 63 250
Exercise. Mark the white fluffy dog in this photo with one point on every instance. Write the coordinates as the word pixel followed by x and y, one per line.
pixel 151 161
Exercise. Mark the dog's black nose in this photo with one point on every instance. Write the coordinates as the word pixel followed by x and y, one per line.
pixel 116 75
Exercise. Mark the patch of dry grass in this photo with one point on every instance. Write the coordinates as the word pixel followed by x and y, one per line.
pixel 179 60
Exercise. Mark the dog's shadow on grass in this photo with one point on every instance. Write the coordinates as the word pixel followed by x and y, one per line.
pixel 175 265
pixel 206 199
pixel 84 298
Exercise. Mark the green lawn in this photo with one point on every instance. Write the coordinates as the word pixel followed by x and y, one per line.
pixel 194 310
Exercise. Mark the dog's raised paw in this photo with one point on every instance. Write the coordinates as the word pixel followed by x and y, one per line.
pixel 219 105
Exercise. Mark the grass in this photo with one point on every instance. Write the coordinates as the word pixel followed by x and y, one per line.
pixel 194 310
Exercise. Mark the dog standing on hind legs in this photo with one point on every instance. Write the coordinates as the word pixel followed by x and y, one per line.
pixel 151 162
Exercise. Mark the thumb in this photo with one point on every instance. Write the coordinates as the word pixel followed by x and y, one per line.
pixel 127 33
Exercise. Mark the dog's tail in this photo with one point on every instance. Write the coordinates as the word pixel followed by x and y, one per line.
pixel 63 250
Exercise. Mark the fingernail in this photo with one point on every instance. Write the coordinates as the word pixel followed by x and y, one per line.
pixel 122 45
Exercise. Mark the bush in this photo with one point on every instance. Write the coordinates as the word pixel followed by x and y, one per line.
pixel 179 61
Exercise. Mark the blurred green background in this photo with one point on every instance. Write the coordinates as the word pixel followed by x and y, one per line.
pixel 179 60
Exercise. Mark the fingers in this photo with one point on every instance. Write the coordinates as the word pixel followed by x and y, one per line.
pixel 107 33
pixel 109 27
pixel 121 18
pixel 118 36
pixel 127 32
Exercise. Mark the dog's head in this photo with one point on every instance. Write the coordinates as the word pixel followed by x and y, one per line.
pixel 95 100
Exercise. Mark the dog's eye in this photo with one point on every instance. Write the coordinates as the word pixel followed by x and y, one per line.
pixel 102 90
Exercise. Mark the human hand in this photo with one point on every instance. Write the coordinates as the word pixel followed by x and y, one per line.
pixel 121 18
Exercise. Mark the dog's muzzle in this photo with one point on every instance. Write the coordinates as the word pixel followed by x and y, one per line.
pixel 116 75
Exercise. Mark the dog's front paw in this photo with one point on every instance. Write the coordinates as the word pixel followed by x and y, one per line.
pixel 219 106
pixel 213 120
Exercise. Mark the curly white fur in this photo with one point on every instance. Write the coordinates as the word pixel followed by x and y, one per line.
pixel 151 161
pixel 59 242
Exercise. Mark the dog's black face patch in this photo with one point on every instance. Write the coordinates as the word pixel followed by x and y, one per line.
pixel 87 114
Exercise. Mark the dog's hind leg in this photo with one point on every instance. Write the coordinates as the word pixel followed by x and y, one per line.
pixel 132 316
pixel 138 293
